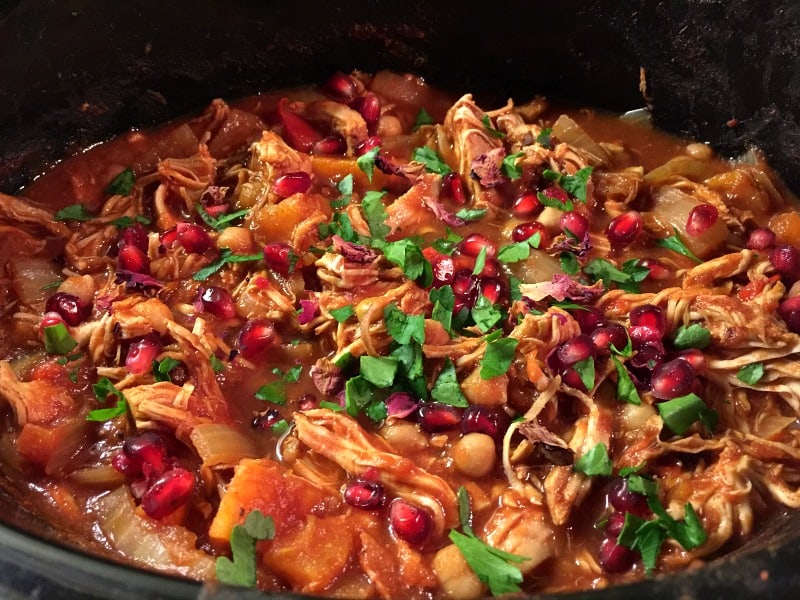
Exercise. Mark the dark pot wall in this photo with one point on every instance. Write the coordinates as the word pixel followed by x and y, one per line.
pixel 73 72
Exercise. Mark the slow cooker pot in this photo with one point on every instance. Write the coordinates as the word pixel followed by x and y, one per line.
pixel 74 72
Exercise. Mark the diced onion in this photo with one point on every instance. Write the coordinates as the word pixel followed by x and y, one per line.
pixel 671 208
pixel 104 476
pixel 567 130
pixel 221 445
pixel 30 278
pixel 680 166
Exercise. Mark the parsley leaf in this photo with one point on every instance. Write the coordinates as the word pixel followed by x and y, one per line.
pixel 569 263
pixel 126 221
pixel 555 202
pixel 485 314
pixel 366 162
pixel 122 184
pixel 274 392
pixel 432 161
pixel 675 243
pixel 378 370
pixel 471 214
pixel 226 257
pixel 279 427
pixel 543 139
pixel 241 571
pixel 359 396
pixel 221 222
pixel 480 262
pixel 509 166
pixel 627 278
pixel 106 414
pixel 447 244
pixel 407 255
pixel 487 122
pixel 693 336
pixel 751 374
pixel 585 369
pixel 595 462
pixel 216 364
pixel 403 327
pixel 423 118
pixel 498 357
pixel 345 187
pixel 681 413
pixel 492 566
pixel 375 214
pixel 514 292
pixel 342 314
pixel 626 390
pixel 572 184
pixel 73 212
pixel 161 368
pixel 514 252
pixel 446 389
pixel 57 339
pixel 444 302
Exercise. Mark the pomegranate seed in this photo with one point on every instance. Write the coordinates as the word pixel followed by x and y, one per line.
pixel 297 132
pixel 474 243
pixel 761 239
pixel 410 522
pixel 341 86
pixel 478 419
pixel 526 205
pixel 266 419
pixel 367 145
pixel 491 268
pixel 49 319
pixel 278 256
pixel 572 378
pixel 695 358
pixel 701 218
pixel 465 286
pixel 589 319
pixel 454 188
pixel 370 109
pixel 123 464
pixel 168 493
pixel 462 261
pixel 624 500
pixel 606 336
pixel 333 144
pixel 193 238
pixel 71 308
pixel 135 235
pixel 435 417
pixel 307 402
pixel 575 350
pixel 614 557
pixel 615 523
pixel 658 270
pixel 443 270
pixel 147 451
pixel 141 354
pixel 217 301
pixel 525 231
pixel 169 238
pixel 290 184
pixel 622 230
pixel 574 224
pixel 493 289
pixel 672 379
pixel 786 260
pixel 648 355
pixel 648 323
pixel 255 337
pixel 364 494
pixel 130 258
pixel 789 311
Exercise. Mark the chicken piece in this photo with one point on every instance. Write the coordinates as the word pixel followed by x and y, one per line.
pixel 194 173
pixel 137 316
pixel 258 296
pixel 471 140
pixel 343 441
pixel 412 580
pixel 522 529
pixel 344 120
pixel 39 401
pixel 409 215
pixel 722 267
pixel 564 487
pixel 22 212
pixel 542 333
pixel 485 392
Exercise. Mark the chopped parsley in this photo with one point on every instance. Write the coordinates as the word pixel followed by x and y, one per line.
pixel 126 221
pixel 498 356
pixel 375 214
pixel 595 462
pixel 628 278
pixel 487 122
pixel 342 314
pixel 471 214
pixel 403 327
pixel 519 250
pixel 447 244
pixel 676 244
pixel 161 368
pixel 378 370
pixel 693 336
pixel 122 184
pixel 444 301
pixel 626 389
pixel 751 374
pixel 485 314
pixel 552 202
pixel 73 212
pixel 226 257
pixel 432 161
pixel 345 187
pixel 480 262
pixel 509 166
pixel 569 263
pixel 585 369
pixel 274 392
pixel 543 139
pixel 679 414
pixel 575 185
pixel 57 339
pixel 423 118
pixel 407 255
pixel 216 364
pixel 366 162
pixel 447 389
pixel 221 222
pixel 102 390
pixel 241 570
pixel 359 397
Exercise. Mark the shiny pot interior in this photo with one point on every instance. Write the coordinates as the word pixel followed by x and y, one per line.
pixel 75 72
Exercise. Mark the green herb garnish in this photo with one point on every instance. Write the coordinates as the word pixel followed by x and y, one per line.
pixel 626 390
pixel 693 336
pixel 679 414
pixel 595 462
pixel 676 244
pixel 241 571
pixel 274 392
pixel 498 356
pixel 447 389
pixel 57 339
pixel 342 314
pixel 366 162
pixel 487 122
pixel 161 368
pixel 423 118
pixel 432 161
pixel 574 185
pixel 509 166
pixel 122 184
pixel 73 212
pixel 226 257
pixel 751 374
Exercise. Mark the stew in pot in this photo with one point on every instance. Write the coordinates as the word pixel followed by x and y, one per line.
pixel 365 339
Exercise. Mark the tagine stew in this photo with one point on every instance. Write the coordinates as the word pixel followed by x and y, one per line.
pixel 365 340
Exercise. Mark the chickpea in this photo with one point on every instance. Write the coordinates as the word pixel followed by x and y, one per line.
pixel 698 151
pixel 404 437
pixel 389 126
pixel 238 239
pixel 474 454
pixel 455 577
